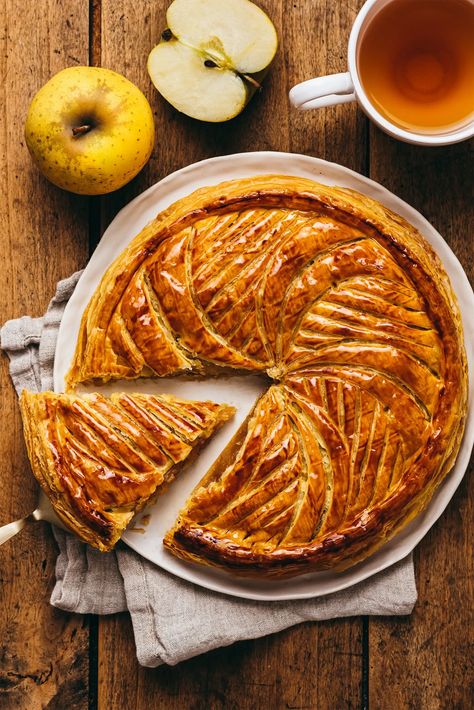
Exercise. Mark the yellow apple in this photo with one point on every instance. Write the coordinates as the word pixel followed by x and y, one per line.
pixel 212 56
pixel 89 130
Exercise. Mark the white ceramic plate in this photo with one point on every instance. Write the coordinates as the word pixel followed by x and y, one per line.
pixel 243 391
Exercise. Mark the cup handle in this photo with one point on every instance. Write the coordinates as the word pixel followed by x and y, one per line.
pixel 323 91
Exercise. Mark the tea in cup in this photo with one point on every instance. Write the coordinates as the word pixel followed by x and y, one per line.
pixel 411 68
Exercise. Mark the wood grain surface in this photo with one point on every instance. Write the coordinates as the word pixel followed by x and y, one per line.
pixel 53 660
pixel 44 236
pixel 435 645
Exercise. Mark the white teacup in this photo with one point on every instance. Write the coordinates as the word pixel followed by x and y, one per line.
pixel 346 87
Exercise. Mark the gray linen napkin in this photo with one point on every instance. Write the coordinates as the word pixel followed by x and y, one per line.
pixel 173 620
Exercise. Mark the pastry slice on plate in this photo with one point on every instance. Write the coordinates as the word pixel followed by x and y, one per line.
pixel 101 459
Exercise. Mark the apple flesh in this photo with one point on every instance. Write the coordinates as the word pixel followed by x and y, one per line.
pixel 202 92
pixel 212 57
pixel 89 130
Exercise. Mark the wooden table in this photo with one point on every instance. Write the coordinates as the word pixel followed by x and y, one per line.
pixel 53 660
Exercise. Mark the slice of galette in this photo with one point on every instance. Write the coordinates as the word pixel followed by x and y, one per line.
pixel 101 459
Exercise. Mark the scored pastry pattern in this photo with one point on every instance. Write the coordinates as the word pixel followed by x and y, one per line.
pixel 347 310
pixel 100 459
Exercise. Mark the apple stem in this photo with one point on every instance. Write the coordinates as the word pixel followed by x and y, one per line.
pixel 252 81
pixel 81 130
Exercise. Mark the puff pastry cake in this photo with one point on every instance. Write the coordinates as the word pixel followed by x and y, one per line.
pixel 347 311
pixel 100 459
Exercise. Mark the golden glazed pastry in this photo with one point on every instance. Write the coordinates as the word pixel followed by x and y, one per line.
pixel 348 310
pixel 100 459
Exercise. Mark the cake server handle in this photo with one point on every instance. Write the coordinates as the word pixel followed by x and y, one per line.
pixel 10 529
pixel 44 511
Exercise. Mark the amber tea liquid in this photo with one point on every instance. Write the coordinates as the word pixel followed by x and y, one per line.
pixel 416 63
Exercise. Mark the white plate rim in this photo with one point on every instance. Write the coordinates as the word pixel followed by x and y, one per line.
pixel 275 162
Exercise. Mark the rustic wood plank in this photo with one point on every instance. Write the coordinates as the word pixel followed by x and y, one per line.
pixel 425 661
pixel 314 43
pixel 308 666
pixel 44 653
pixel 296 668
pixel 421 662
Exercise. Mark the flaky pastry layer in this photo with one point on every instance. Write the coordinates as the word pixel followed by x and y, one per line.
pixel 100 460
pixel 348 310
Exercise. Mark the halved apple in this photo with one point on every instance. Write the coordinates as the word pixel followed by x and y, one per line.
pixel 212 57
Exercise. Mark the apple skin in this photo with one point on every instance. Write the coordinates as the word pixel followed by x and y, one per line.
pixel 99 159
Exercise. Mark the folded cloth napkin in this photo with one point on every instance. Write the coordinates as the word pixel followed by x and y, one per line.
pixel 172 619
